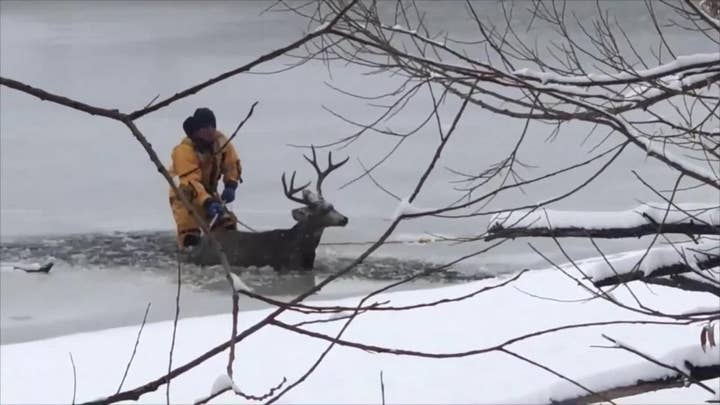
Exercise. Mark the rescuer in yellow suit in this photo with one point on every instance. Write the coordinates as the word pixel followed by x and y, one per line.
pixel 198 162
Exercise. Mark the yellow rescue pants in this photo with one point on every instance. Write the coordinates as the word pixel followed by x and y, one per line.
pixel 186 224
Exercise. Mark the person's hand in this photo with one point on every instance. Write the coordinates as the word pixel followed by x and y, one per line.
pixel 228 194
pixel 213 209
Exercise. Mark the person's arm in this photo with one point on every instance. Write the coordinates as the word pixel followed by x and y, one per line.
pixel 231 169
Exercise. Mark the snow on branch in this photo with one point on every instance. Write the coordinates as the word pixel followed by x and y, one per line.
pixel 223 383
pixel 405 207
pixel 659 149
pixel 656 262
pixel 238 284
pixel 647 219
pixel 639 93
pixel 708 10
pixel 636 379
pixel 682 63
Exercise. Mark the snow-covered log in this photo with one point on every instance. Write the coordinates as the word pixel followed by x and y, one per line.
pixel 640 378
pixel 659 261
pixel 642 386
pixel 647 219
pixel 687 284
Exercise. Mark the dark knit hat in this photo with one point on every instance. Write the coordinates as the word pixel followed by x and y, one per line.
pixel 190 126
pixel 204 117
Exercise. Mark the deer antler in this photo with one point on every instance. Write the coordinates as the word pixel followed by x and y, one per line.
pixel 323 173
pixel 290 192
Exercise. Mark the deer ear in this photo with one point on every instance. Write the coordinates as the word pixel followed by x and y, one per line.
pixel 301 214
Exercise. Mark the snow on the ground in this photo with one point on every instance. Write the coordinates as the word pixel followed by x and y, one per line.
pixel 681 213
pixel 647 261
pixel 349 375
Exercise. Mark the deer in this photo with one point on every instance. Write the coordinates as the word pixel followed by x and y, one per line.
pixel 281 249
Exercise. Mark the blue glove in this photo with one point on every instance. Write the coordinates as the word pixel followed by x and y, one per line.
pixel 213 208
pixel 228 194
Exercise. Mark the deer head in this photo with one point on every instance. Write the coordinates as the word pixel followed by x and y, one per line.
pixel 316 211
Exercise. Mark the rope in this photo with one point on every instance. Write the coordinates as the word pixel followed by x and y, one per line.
pixel 244 225
pixel 225 208
pixel 422 241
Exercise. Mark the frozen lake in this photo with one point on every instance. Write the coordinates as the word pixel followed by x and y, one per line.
pixel 65 174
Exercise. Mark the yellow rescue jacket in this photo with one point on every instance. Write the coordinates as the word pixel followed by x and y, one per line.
pixel 198 172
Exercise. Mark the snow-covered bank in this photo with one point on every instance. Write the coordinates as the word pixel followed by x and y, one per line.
pixel 352 376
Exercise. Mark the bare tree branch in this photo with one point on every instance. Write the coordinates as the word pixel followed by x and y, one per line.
pixel 642 386
pixel 244 68
pixel 685 283
pixel 241 394
pixel 74 104
pixel 137 341
pixel 175 323
pixel 557 374
pixel 72 362
pixel 655 361
pixel 449 355
pixel 607 233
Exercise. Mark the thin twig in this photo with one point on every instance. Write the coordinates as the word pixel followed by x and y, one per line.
pixel 382 388
pixel 152 101
pixel 233 335
pixel 238 392
pixel 473 352
pixel 553 372
pixel 175 324
pixel 245 68
pixel 72 362
pixel 659 363
pixel 137 342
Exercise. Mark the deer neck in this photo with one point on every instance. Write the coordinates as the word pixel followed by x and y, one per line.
pixel 307 233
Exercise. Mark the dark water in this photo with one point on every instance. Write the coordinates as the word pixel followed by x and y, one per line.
pixel 157 252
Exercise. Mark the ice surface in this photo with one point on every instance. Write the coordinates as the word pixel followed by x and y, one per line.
pixel 123 192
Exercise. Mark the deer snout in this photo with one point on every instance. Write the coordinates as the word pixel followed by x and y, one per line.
pixel 344 220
